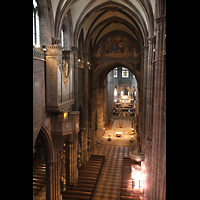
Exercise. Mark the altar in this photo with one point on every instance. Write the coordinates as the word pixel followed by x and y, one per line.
pixel 118 134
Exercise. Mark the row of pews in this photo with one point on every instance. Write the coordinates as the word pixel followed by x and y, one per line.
pixel 39 177
pixel 88 175
pixel 126 185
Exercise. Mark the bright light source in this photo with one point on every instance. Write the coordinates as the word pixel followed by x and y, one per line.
pixel 138 175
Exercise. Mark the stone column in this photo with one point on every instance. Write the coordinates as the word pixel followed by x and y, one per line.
pixel 99 104
pixel 92 137
pixel 144 90
pixel 50 181
pixel 71 159
pixel 106 113
pixel 86 93
pixel 84 152
pixel 57 177
pixel 158 140
pixel 75 89
pixel 149 113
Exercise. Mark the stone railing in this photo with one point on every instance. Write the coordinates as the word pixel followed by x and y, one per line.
pixel 66 127
pixel 38 54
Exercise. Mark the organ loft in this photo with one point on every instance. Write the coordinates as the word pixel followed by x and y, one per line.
pixel 99 99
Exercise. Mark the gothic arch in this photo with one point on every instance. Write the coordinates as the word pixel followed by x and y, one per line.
pixel 44 133
pixel 62 9
pixel 50 160
pixel 106 23
pixel 101 74
pixel 135 15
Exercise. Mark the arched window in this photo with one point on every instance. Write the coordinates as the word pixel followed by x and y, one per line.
pixel 62 37
pixel 115 72
pixel 36 25
pixel 125 72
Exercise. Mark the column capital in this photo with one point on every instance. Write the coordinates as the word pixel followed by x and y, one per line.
pixel 53 50
pixel 160 19
pixel 56 41
pixel 152 39
pixel 75 48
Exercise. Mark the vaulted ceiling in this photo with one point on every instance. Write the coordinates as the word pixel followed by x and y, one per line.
pixel 98 17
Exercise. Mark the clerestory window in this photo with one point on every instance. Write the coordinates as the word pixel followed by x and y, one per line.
pixel 36 25
pixel 62 37
pixel 115 72
pixel 125 72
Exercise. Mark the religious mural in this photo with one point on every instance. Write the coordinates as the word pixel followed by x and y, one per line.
pixel 117 44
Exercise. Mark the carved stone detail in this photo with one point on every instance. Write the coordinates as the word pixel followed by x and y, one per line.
pixel 64 70
pixel 38 54
pixel 61 107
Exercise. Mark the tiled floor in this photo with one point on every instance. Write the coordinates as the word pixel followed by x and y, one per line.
pixel 109 183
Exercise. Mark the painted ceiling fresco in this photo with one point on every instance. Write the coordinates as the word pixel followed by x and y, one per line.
pixel 117 45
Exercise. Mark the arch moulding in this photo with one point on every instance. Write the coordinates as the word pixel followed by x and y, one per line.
pixel 101 74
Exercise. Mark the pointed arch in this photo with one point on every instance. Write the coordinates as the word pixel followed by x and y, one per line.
pixel 101 74
pixel 48 143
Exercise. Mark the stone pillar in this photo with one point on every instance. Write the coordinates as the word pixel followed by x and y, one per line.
pixel 84 152
pixel 144 89
pixel 75 157
pixel 57 176
pixel 93 132
pixel 99 104
pixel 75 89
pixel 50 181
pixel 158 140
pixel 106 113
pixel 86 93
pixel 149 113
pixel 71 159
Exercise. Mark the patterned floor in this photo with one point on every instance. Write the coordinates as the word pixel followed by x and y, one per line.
pixel 109 183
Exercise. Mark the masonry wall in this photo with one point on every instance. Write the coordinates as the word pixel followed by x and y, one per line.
pixel 81 84
pixel 40 117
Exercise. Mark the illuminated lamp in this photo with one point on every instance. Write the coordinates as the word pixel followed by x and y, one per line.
pixel 65 115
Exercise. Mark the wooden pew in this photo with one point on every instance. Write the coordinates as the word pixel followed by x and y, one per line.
pixel 127 192
pixel 88 175
pixel 39 176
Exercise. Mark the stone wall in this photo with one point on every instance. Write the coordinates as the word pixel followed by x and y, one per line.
pixel 40 117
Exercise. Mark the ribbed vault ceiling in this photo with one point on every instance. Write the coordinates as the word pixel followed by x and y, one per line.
pixel 98 17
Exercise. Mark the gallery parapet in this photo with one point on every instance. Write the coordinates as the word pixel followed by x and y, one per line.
pixel 60 108
pixel 38 53
pixel 66 127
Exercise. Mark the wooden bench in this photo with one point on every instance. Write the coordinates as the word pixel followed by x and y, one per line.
pixel 39 176
pixel 88 175
pixel 127 191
